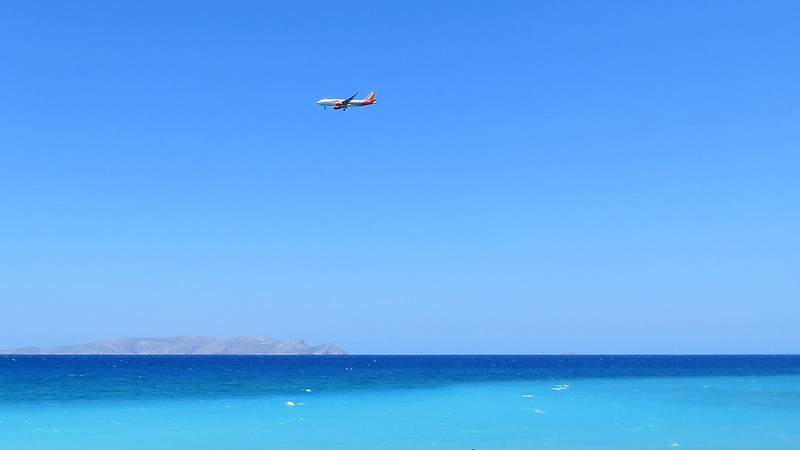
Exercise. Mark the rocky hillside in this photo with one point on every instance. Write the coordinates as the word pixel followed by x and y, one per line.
pixel 185 345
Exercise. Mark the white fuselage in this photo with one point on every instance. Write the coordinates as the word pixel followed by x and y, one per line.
pixel 344 103
pixel 338 102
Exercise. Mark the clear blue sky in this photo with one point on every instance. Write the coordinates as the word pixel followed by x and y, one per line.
pixel 536 177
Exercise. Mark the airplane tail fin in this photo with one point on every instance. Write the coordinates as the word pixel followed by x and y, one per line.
pixel 370 98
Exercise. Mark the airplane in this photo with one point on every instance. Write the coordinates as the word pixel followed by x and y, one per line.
pixel 343 104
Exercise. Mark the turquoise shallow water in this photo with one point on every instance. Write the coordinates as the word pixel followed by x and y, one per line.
pixel 449 402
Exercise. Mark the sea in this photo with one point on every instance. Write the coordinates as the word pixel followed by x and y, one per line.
pixel 399 402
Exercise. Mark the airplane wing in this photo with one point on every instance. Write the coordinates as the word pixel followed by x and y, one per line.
pixel 346 101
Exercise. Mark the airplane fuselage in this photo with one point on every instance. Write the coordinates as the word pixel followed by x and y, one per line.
pixel 338 101
pixel 344 103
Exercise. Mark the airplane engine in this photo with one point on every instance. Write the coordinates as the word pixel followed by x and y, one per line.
pixel 337 107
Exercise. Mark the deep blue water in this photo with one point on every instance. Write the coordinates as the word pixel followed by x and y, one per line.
pixel 81 377
pixel 400 401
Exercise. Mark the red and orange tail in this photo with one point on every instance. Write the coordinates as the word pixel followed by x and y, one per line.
pixel 370 98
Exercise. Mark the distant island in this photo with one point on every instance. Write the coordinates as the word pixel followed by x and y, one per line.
pixel 184 345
